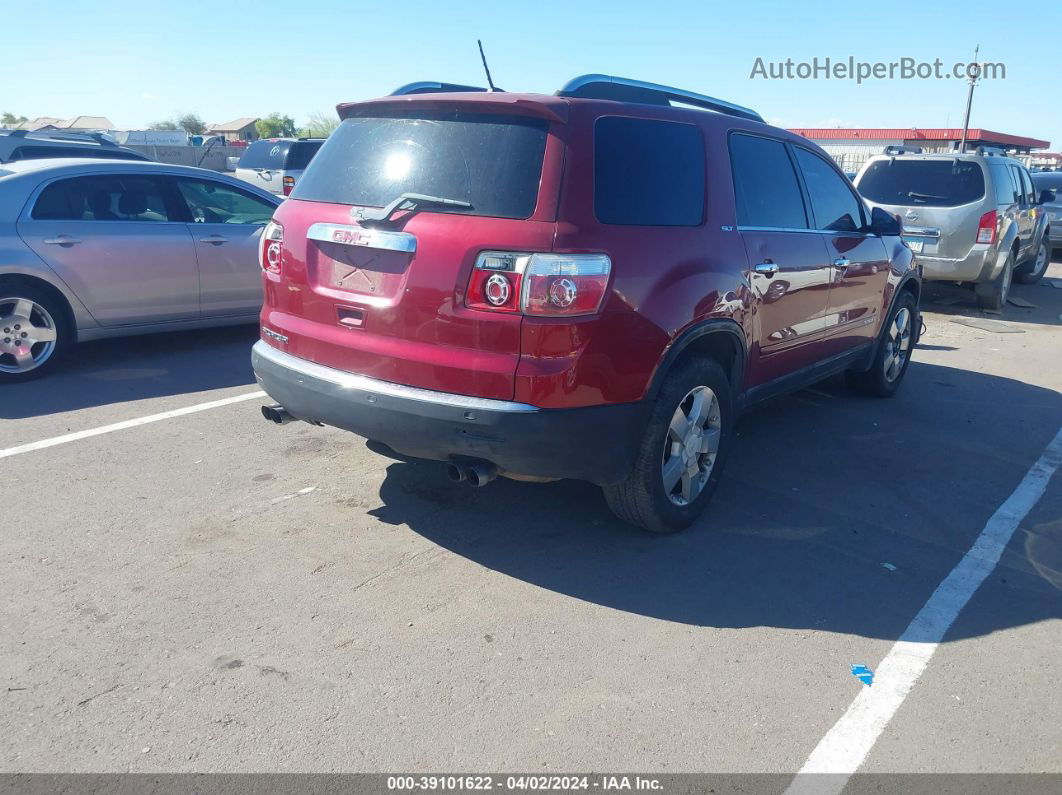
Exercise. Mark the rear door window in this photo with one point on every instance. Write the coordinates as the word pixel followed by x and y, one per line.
pixel 923 183
pixel 766 191
pixel 1003 181
pixel 834 205
pixel 112 197
pixel 648 173
pixel 492 162
pixel 1026 185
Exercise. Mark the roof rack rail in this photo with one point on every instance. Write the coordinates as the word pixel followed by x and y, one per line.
pixel 435 87
pixel 624 89
pixel 893 149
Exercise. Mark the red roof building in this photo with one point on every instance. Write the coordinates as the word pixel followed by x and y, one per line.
pixel 851 147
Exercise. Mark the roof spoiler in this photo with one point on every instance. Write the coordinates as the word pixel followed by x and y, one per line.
pixel 435 87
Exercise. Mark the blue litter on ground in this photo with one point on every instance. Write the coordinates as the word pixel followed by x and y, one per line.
pixel 863 674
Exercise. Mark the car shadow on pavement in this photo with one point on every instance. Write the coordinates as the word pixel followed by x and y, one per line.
pixel 836 513
pixel 1039 304
pixel 134 368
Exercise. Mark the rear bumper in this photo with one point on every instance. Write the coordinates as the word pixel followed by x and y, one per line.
pixel 595 443
pixel 980 265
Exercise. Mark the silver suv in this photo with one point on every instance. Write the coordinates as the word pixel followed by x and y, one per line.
pixel 275 164
pixel 972 217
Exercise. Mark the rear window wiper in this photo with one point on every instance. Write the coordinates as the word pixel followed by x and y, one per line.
pixel 410 202
pixel 924 196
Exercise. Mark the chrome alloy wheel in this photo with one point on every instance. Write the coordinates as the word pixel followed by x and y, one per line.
pixel 1043 257
pixel 691 445
pixel 898 344
pixel 27 335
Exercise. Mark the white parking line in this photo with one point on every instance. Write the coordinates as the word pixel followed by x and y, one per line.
pixel 844 747
pixel 121 426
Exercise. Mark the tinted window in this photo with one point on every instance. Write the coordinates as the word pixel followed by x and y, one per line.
pixel 924 183
pixel 648 173
pixel 43 152
pixel 834 205
pixel 766 190
pixel 1026 184
pixel 1003 181
pixel 269 155
pixel 118 197
pixel 301 153
pixel 212 202
pixel 492 162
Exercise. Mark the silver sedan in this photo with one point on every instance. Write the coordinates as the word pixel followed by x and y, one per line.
pixel 105 248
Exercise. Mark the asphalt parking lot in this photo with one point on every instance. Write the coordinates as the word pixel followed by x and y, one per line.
pixel 208 592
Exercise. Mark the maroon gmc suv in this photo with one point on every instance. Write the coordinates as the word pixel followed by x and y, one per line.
pixel 590 285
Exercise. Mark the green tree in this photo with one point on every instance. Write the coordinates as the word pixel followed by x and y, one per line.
pixel 165 124
pixel 274 126
pixel 191 123
pixel 321 125
pixel 10 119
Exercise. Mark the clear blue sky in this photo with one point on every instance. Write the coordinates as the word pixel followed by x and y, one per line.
pixel 140 62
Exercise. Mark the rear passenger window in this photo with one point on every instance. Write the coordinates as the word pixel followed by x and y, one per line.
pixel 766 191
pixel 648 173
pixel 1003 181
pixel 832 201
pixel 124 197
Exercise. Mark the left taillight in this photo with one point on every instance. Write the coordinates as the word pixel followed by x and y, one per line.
pixel 288 183
pixel 540 285
pixel 271 256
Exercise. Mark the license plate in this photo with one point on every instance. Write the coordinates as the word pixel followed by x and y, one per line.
pixel 914 245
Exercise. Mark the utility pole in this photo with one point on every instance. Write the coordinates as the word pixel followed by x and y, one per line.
pixel 972 79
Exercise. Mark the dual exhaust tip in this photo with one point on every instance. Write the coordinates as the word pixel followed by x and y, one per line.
pixel 278 414
pixel 477 473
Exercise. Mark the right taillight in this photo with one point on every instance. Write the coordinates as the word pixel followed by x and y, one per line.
pixel 986 227
pixel 542 285
pixel 272 249
pixel 287 184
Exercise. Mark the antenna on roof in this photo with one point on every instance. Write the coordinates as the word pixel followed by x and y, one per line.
pixel 485 67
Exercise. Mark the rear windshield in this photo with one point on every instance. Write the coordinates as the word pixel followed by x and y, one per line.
pixel 1047 180
pixel 492 162
pixel 926 183
pixel 279 155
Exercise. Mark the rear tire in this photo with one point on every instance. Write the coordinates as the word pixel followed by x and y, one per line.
pixel 893 353
pixel 993 295
pixel 34 332
pixel 1033 271
pixel 682 453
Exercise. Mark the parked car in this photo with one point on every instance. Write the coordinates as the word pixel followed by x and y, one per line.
pixel 276 164
pixel 1048 187
pixel 107 248
pixel 590 285
pixel 18 145
pixel 971 217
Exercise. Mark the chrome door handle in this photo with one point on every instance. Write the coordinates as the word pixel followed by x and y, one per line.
pixel 62 240
pixel 767 268
pixel 841 262
pixel 217 240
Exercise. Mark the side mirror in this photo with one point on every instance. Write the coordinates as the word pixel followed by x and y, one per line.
pixel 1046 197
pixel 884 223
